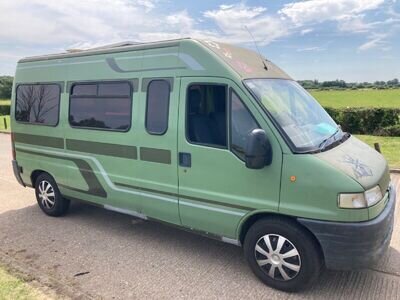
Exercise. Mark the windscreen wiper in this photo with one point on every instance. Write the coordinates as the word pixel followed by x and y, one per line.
pixel 322 145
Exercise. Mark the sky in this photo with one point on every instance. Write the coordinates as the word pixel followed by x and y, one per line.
pixel 353 40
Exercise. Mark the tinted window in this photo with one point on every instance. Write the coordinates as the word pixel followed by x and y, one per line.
pixel 38 103
pixel 114 89
pixel 85 89
pixel 206 115
pixel 157 106
pixel 109 108
pixel 242 123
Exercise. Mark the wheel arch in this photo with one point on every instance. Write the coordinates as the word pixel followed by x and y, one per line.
pixel 36 173
pixel 251 219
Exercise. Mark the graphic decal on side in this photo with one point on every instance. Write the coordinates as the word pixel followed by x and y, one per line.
pixel 94 186
pixel 359 168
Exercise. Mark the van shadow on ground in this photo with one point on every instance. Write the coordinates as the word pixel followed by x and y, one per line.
pixel 126 256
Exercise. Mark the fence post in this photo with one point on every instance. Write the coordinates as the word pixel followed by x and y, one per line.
pixel 377 147
pixel 5 123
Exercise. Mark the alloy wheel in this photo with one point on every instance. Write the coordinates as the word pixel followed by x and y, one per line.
pixel 46 194
pixel 277 257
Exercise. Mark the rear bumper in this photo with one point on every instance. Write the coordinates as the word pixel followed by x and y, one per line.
pixel 349 246
pixel 17 172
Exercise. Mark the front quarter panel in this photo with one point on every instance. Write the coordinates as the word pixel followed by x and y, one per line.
pixel 313 191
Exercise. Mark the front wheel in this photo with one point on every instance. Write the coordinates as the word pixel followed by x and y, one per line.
pixel 282 254
pixel 49 197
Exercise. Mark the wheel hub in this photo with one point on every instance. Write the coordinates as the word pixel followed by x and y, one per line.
pixel 46 194
pixel 277 257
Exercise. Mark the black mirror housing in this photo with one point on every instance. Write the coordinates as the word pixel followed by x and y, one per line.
pixel 258 150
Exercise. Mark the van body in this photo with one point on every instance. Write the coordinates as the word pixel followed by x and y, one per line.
pixel 209 137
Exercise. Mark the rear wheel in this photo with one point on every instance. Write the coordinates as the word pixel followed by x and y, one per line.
pixel 49 197
pixel 282 254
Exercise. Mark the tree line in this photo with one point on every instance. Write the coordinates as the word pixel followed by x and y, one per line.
pixel 341 84
pixel 7 81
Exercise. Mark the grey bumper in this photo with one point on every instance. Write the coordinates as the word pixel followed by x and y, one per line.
pixel 17 173
pixel 349 246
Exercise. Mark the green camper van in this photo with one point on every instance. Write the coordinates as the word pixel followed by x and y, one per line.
pixel 209 137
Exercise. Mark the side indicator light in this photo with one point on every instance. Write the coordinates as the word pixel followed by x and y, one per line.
pixel 292 178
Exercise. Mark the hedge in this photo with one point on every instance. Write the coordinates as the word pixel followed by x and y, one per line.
pixel 4 110
pixel 377 121
pixel 388 131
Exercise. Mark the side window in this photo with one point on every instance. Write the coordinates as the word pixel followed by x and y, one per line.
pixel 157 108
pixel 207 115
pixel 38 104
pixel 103 105
pixel 242 123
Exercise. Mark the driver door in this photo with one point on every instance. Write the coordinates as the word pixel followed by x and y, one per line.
pixel 215 188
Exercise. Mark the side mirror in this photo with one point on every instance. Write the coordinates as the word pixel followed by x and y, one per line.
pixel 258 150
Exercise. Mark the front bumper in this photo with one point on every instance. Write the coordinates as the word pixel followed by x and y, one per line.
pixel 17 172
pixel 348 246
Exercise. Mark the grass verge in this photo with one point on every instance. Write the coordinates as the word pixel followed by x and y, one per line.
pixel 2 124
pixel 14 288
pixel 5 102
pixel 390 147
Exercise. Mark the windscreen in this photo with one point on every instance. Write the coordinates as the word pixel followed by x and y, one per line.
pixel 307 125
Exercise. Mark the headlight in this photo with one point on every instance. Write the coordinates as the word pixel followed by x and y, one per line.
pixel 361 200
pixel 373 196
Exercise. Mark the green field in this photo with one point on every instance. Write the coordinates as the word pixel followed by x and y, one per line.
pixel 390 147
pixel 358 98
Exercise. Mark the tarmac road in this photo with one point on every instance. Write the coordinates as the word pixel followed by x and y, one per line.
pixel 93 253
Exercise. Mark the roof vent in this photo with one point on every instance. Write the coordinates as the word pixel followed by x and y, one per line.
pixel 109 46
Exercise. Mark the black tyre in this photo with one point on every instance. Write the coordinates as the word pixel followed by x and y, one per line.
pixel 283 254
pixel 48 196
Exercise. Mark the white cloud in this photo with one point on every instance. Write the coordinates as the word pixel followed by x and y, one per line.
pixel 306 31
pixel 43 26
pixel 181 20
pixel 354 24
pixel 148 4
pixel 317 11
pixel 377 40
pixel 64 22
pixel 69 24
pixel 310 49
pixel 232 20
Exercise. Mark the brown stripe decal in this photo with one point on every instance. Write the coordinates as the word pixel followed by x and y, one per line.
pixel 185 197
pixel 102 148
pixel 145 189
pixel 217 203
pixel 39 140
pixel 155 155
pixel 94 185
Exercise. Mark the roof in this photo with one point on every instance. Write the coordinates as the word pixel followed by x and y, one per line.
pixel 112 48
pixel 245 62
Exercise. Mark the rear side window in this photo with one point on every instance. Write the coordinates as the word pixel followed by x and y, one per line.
pixel 38 104
pixel 158 92
pixel 103 105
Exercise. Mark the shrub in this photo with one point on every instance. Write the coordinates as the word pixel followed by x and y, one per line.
pixel 4 110
pixel 366 120
pixel 388 131
pixel 5 87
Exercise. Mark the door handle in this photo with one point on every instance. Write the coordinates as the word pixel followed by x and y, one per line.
pixel 185 159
